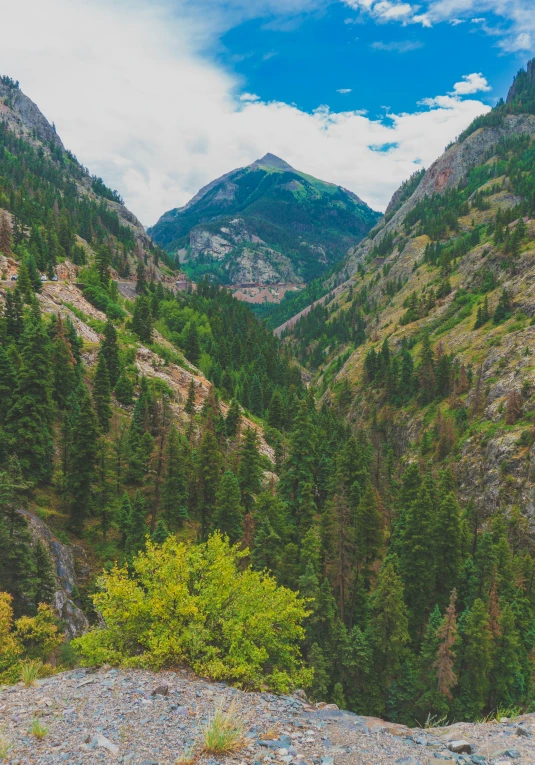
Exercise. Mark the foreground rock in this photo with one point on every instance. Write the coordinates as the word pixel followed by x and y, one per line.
pixel 123 716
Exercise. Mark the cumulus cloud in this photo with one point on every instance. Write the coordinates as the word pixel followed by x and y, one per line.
pixel 471 83
pixel 135 97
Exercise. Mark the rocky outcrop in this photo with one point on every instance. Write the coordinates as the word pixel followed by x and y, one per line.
pixel 67 575
pixel 166 713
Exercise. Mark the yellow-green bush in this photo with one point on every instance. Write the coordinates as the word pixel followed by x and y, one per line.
pixel 34 637
pixel 197 605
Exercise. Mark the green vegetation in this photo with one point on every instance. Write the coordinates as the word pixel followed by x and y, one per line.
pixel 310 222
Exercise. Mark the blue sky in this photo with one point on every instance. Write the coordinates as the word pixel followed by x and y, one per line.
pixel 159 97
pixel 306 59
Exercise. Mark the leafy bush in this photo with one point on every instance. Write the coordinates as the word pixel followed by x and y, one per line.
pixel 32 638
pixel 194 604
pixel 99 298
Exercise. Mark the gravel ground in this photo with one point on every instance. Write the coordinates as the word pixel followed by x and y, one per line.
pixel 115 716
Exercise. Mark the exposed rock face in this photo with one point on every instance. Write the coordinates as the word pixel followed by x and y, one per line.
pixel 23 112
pixel 446 173
pixel 74 619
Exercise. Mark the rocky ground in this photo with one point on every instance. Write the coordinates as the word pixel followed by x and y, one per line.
pixel 147 718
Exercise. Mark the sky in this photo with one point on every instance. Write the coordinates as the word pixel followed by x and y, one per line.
pixel 159 97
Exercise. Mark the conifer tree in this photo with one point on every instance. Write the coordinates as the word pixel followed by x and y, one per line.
pixel 45 578
pixel 142 319
pixel 13 314
pixel 249 469
pixel 507 682
pixel 389 623
pixel 228 514
pixel 123 517
pixel 417 559
pixel 7 383
pixel 110 351
pixel 368 528
pixel 30 417
pixel 275 416
pixel 256 397
pixel 141 281
pixel 208 476
pixel 101 393
pixel 24 283
pixel 137 527
pixel 427 371
pixel 190 403
pixel 446 530
pixel 174 487
pixel 445 661
pixel 430 701
pixel 5 235
pixel 63 366
pixel 124 390
pixel 475 661
pixel 191 343
pixel 161 532
pixel 233 419
pixel 83 455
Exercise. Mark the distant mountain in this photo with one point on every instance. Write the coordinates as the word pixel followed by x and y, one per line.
pixel 266 222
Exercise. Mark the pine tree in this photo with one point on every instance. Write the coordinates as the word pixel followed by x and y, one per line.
pixel 30 417
pixel 275 416
pixel 249 469
pixel 389 623
pixel 24 284
pixel 123 517
pixel 33 274
pixel 142 319
pixel 190 403
pixel 137 527
pixel 141 281
pixel 174 487
pixel 208 477
pixel 427 371
pixel 475 661
pixel 368 528
pixel 83 455
pixel 102 263
pixel 446 529
pixel 417 561
pixel 110 351
pixel 13 314
pixel 161 532
pixel 124 390
pixel 256 397
pixel 233 419
pixel 445 661
pixel 504 308
pixel 191 343
pixel 228 514
pixel 508 687
pixel 17 563
pixel 45 577
pixel 430 701
pixel 7 383
pixel 63 366
pixel 101 393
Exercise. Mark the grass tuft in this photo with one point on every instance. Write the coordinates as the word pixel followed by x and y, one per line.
pixel 38 729
pixel 29 672
pixel 5 748
pixel 224 732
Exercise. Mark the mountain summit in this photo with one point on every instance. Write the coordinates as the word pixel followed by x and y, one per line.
pixel 264 223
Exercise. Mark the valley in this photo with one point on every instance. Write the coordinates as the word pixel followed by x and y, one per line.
pixel 323 507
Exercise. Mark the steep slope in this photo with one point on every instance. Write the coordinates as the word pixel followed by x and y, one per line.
pixel 54 207
pixel 429 339
pixel 265 223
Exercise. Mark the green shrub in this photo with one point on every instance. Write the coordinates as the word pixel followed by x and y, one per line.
pixel 195 604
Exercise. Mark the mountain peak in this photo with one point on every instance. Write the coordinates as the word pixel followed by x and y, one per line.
pixel 271 161
pixel 523 83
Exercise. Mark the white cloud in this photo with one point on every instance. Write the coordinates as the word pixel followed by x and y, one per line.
pixel 403 46
pixel 249 97
pixel 136 99
pixel 344 91
pixel 471 83
pixel 516 33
